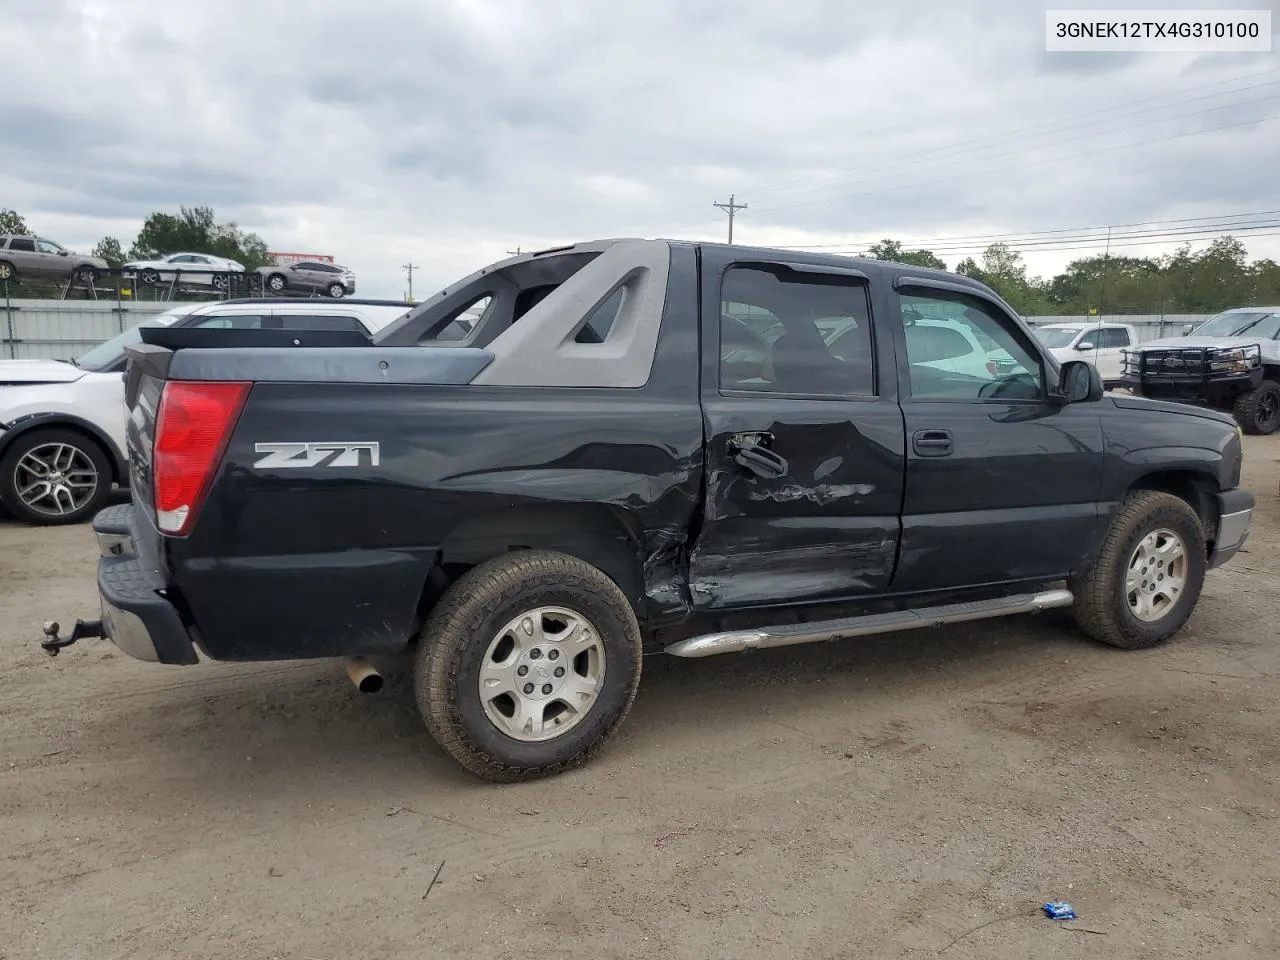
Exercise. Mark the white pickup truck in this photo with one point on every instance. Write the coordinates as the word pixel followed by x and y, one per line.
pixel 1101 344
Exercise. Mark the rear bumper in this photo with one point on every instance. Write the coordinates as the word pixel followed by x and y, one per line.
pixel 137 616
pixel 1235 514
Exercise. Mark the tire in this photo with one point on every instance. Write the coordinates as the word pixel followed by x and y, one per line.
pixel 87 274
pixel 337 291
pixel 149 277
pixel 6 271
pixel 1258 411
pixel 15 475
pixel 476 619
pixel 1104 608
pixel 219 281
pixel 277 282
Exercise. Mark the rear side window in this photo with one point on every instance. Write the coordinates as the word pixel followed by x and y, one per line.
pixel 790 332
pixel 1112 337
pixel 236 322
pixel 303 321
pixel 23 244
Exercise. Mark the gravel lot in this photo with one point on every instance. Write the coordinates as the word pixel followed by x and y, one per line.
pixel 878 799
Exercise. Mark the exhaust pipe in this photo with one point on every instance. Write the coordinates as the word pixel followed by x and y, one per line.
pixel 363 674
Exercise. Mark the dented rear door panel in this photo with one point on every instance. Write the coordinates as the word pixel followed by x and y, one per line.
pixel 828 529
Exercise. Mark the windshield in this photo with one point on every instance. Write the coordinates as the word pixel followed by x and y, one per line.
pixel 106 355
pixel 1053 337
pixel 1261 324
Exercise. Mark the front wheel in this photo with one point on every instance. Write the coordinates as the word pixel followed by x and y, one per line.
pixel 54 476
pixel 1146 579
pixel 527 665
pixel 276 282
pixel 337 290
pixel 1258 411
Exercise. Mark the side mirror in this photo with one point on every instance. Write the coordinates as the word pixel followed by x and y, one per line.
pixel 62 253
pixel 1079 382
pixel 1087 345
pixel 1187 328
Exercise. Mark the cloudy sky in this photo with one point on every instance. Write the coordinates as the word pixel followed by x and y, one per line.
pixel 447 132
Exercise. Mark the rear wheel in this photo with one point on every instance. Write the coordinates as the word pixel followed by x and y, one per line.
pixel 276 282
pixel 6 271
pixel 527 665
pixel 337 290
pixel 1147 577
pixel 1258 411
pixel 54 476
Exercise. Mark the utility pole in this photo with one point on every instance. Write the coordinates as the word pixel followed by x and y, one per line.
pixel 731 208
pixel 409 268
pixel 514 253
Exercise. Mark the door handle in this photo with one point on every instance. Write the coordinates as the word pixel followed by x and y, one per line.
pixel 751 451
pixel 932 443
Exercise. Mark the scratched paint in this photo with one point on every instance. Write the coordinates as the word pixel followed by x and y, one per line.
pixel 821 494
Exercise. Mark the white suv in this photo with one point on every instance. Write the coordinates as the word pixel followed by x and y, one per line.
pixel 62 423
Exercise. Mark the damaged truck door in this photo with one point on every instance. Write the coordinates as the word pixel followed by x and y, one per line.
pixel 804 454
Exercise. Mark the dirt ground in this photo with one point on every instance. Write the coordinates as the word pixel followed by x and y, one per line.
pixel 881 798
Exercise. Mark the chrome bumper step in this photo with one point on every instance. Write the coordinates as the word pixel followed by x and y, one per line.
pixel 711 644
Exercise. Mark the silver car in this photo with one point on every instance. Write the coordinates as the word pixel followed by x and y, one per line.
pixel 37 257
pixel 310 276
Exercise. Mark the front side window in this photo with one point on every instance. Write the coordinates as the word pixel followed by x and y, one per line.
pixel 1113 337
pixel 961 348
pixel 791 332
pixel 48 247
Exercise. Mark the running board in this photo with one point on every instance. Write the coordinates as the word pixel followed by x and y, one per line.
pixel 710 644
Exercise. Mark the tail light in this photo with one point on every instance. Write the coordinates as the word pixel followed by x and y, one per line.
pixel 193 425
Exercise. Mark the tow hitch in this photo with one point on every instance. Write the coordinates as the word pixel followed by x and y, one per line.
pixel 83 630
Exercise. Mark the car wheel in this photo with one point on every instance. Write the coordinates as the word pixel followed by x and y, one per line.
pixel 6 271
pixel 527 665
pixel 54 476
pixel 219 281
pixel 1258 411
pixel 149 277
pixel 1146 579
pixel 276 282
pixel 87 275
pixel 337 290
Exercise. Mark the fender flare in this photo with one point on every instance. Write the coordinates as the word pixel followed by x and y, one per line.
pixel 32 421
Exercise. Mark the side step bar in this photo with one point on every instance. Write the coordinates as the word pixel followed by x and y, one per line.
pixel 710 644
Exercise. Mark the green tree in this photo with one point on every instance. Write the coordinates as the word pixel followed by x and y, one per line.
pixel 893 251
pixel 195 229
pixel 109 249
pixel 11 222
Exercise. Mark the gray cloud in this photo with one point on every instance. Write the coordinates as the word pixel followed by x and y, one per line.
pixel 449 132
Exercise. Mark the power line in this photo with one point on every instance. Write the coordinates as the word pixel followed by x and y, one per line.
pixel 731 207
pixel 1031 163
pixel 1057 125
pixel 1037 233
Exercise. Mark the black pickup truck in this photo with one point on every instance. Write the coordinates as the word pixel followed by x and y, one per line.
pixel 643 446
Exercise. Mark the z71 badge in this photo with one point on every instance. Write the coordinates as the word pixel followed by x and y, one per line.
pixel 281 456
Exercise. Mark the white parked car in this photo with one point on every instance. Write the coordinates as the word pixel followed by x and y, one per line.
pixel 194 269
pixel 62 423
pixel 1102 344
